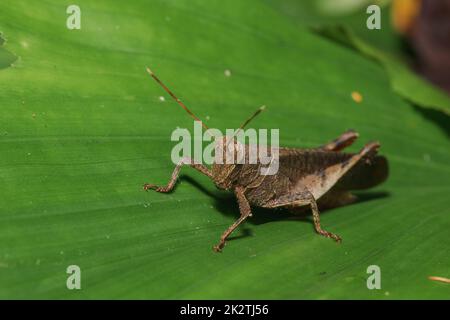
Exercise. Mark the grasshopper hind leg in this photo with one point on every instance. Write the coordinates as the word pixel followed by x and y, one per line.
pixel 298 200
pixel 335 199
pixel 316 218
pixel 332 199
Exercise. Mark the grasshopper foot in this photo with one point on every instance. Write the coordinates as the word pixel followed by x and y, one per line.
pixel 149 186
pixel 333 236
pixel 219 247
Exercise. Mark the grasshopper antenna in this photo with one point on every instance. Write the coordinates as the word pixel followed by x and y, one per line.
pixel 175 98
pixel 246 122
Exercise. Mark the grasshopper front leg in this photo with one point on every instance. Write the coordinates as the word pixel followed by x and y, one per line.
pixel 244 208
pixel 176 172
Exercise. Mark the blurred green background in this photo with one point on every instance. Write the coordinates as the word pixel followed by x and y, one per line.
pixel 82 127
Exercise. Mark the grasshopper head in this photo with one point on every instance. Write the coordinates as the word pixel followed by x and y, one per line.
pixel 229 154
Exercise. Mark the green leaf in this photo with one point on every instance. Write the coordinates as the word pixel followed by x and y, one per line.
pixel 403 80
pixel 82 127
pixel 383 45
pixel 6 57
pixel 311 14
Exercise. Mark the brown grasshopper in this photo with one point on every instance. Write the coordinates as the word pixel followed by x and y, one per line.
pixel 318 177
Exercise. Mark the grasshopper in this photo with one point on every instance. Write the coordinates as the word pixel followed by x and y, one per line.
pixel 319 177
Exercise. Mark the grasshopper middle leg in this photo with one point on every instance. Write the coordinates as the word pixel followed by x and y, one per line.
pixel 244 208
